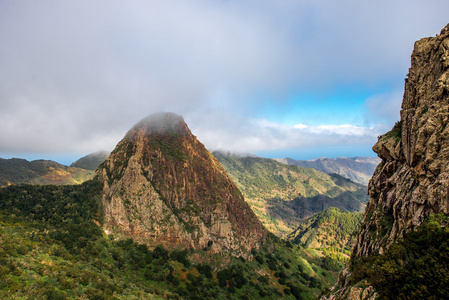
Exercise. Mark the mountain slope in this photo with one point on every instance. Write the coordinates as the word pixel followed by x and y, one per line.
pixel 91 161
pixel 410 186
pixel 329 228
pixel 282 195
pixel 20 171
pixel 52 248
pixel 161 186
pixel 357 169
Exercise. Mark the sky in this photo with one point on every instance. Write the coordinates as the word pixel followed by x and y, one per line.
pixel 299 79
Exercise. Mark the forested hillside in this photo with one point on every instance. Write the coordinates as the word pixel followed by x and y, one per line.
pixel 357 169
pixel 331 232
pixel 54 248
pixel 329 228
pixel 283 195
pixel 91 161
pixel 18 171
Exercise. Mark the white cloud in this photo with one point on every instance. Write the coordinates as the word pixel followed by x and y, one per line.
pixel 341 130
pixel 76 75
pixel 255 135
pixel 384 108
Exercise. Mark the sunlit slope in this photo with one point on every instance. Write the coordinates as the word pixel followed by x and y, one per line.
pixel 282 195
pixel 20 171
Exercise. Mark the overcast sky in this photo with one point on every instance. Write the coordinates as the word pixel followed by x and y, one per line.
pixel 302 79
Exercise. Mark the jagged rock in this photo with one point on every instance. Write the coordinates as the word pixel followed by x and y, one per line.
pixel 161 186
pixel 412 181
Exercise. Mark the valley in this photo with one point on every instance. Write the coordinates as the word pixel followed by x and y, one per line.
pixel 284 195
pixel 149 224
pixel 228 150
pixel 161 217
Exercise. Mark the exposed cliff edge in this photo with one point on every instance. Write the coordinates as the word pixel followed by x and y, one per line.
pixel 412 181
pixel 161 186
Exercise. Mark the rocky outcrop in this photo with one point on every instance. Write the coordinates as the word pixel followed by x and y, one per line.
pixel 161 186
pixel 412 181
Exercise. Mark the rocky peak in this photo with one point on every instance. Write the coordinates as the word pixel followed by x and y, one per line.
pixel 162 186
pixel 161 123
pixel 412 181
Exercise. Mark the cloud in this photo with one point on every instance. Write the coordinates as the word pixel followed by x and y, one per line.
pixel 384 107
pixel 237 133
pixel 76 75
pixel 341 130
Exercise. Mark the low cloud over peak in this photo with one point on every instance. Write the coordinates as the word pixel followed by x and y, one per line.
pixel 77 75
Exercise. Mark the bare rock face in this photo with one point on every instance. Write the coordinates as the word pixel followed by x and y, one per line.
pixel 161 186
pixel 412 181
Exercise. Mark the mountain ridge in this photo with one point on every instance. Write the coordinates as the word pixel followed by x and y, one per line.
pixel 91 161
pixel 161 185
pixel 282 195
pixel 358 169
pixel 21 171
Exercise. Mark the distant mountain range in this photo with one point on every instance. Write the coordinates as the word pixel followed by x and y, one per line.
pixel 198 213
pixel 358 169
pixel 160 219
pixel 20 171
pixel 283 195
pixel 91 161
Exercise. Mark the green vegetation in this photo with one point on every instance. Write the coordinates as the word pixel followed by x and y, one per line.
pixel 53 248
pixel 21 171
pixel 91 161
pixel 396 132
pixel 283 195
pixel 415 267
pixel 424 110
pixel 170 144
pixel 330 229
pixel 331 233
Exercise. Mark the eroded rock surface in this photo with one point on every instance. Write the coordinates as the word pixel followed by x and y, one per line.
pixel 161 186
pixel 412 181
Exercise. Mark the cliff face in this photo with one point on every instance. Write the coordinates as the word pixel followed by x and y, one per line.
pixel 412 181
pixel 161 186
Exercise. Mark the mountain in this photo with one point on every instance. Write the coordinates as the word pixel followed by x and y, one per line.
pixel 161 219
pixel 358 169
pixel 402 248
pixel 53 247
pixel 20 171
pixel 329 228
pixel 331 233
pixel 283 195
pixel 161 186
pixel 91 161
